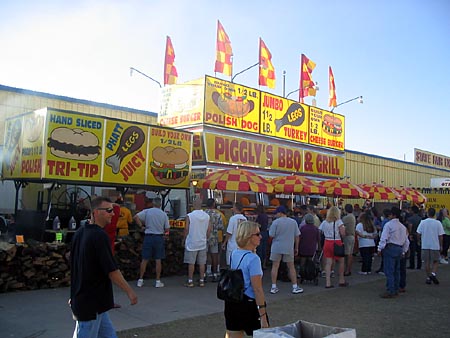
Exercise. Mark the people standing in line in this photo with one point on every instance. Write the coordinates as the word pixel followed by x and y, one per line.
pixel 393 244
pixel 413 222
pixel 311 209
pixel 263 220
pixel 285 238
pixel 356 210
pixel 251 313
pixel 230 237
pixel 156 224
pixel 197 230
pixel 333 229
pixel 214 242
pixel 125 219
pixel 309 240
pixel 386 218
pixel 367 233
pixel 349 237
pixel 430 232
pixel 93 270
pixel 443 218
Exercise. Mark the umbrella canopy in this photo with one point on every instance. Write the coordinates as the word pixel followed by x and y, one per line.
pixel 380 192
pixel 294 184
pixel 409 194
pixel 235 180
pixel 342 188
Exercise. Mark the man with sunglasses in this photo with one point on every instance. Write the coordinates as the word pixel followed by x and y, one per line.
pixel 92 270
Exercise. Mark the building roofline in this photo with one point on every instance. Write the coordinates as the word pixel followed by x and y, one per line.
pixel 74 100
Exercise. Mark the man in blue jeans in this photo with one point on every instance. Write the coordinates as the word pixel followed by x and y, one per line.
pixel 393 245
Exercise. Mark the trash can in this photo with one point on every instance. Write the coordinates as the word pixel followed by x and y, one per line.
pixel 304 329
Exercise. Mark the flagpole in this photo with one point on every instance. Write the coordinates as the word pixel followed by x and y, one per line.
pixel 242 71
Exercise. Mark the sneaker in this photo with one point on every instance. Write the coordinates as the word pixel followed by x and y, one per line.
pixel 201 283
pixel 388 295
pixel 369 272
pixel 442 261
pixel 362 273
pixel 332 274
pixel 323 274
pixel 380 273
pixel 274 290
pixel 434 279
pixel 428 280
pixel 189 284
pixel 296 290
pixel 140 283
pixel 159 284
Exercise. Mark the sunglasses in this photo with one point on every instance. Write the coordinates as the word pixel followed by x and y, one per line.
pixel 257 234
pixel 108 210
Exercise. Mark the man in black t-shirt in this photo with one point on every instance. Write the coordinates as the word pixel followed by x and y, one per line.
pixel 92 270
pixel 414 245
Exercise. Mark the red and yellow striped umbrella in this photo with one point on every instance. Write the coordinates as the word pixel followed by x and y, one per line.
pixel 342 188
pixel 235 180
pixel 412 195
pixel 380 192
pixel 294 184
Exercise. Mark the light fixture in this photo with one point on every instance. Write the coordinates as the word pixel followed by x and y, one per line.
pixel 359 98
pixel 194 183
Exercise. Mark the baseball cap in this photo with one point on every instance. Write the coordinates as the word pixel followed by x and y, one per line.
pixel 281 209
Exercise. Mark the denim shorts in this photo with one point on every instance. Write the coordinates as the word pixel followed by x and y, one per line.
pixel 100 327
pixel 153 247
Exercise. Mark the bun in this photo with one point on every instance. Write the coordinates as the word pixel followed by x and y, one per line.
pixel 232 105
pixel 170 181
pixel 170 155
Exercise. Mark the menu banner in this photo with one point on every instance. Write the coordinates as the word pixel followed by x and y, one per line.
pixel 323 164
pixel 169 159
pixel 12 149
pixel 437 201
pixel 125 152
pixel 231 105
pixel 182 104
pixel 326 129
pixel 74 146
pixel 431 159
pixel 33 144
pixel 284 118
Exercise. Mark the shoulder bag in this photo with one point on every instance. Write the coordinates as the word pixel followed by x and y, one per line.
pixel 338 250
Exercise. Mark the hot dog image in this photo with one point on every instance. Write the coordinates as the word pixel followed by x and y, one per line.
pixel 170 165
pixel 73 144
pixel 236 106
pixel 295 116
pixel 131 140
pixel 12 147
pixel 332 125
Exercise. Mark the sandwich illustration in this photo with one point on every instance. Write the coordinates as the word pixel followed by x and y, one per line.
pixel 73 144
pixel 332 125
pixel 170 165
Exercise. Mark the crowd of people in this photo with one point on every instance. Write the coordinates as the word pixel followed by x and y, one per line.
pixel 291 241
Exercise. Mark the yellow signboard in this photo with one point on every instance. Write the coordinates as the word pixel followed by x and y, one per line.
pixel 231 105
pixel 431 159
pixel 182 104
pixel 169 158
pixel 74 146
pixel 326 129
pixel 125 152
pixel 198 149
pixel 33 144
pixel 284 118
pixel 437 201
pixel 323 164
pixel 12 150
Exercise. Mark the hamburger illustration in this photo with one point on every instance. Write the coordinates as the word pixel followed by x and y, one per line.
pixel 332 125
pixel 170 165
pixel 73 144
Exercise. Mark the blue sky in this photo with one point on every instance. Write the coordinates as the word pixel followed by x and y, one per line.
pixel 394 53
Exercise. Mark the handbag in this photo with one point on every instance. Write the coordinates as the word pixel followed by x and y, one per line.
pixel 231 284
pixel 338 250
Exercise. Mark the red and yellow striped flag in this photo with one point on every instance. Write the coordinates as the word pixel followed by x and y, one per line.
pixel 170 72
pixel 224 52
pixel 332 99
pixel 266 69
pixel 307 86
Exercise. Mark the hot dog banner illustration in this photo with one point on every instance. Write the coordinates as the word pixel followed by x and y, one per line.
pixel 169 157
pixel 125 152
pixel 57 145
pixel 73 148
pixel 231 105
pixel 326 129
pixel 284 118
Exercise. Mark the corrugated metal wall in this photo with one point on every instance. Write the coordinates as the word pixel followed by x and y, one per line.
pixel 364 168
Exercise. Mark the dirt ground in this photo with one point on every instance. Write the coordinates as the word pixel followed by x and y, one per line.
pixel 423 311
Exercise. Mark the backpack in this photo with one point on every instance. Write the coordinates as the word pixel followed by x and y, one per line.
pixel 231 284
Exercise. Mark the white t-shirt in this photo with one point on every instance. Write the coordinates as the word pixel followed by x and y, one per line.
pixel 232 228
pixel 365 242
pixel 327 229
pixel 198 227
pixel 430 229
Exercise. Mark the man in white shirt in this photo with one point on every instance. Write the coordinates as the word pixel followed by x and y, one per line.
pixel 430 232
pixel 230 237
pixel 196 232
